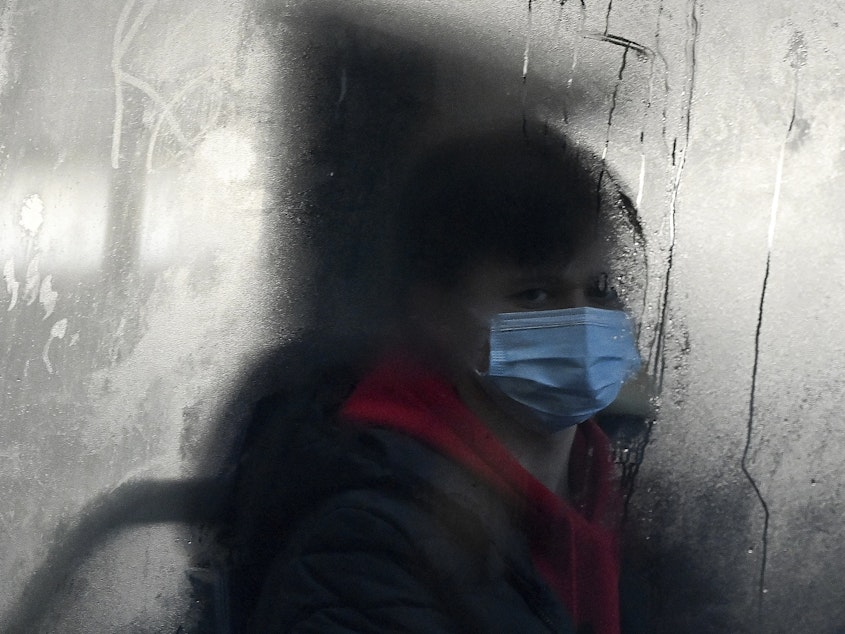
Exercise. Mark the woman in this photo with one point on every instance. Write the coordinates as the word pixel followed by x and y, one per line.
pixel 463 486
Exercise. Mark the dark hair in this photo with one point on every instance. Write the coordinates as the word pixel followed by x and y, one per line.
pixel 522 198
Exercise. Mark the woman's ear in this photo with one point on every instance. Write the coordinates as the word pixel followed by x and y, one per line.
pixel 448 328
pixel 429 309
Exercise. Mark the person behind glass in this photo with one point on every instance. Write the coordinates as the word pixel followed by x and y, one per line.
pixel 463 486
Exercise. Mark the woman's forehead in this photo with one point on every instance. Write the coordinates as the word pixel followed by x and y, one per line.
pixel 583 264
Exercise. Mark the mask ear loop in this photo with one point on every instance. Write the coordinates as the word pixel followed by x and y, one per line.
pixel 485 369
pixel 481 363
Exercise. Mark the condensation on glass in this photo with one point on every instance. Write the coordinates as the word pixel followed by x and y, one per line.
pixel 176 185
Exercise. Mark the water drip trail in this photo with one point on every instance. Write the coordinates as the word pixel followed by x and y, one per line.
pixel 659 51
pixel 582 23
pixel 658 54
pixel 611 112
pixel 525 59
pixel 770 238
pixel 613 102
pixel 643 52
pixel 658 356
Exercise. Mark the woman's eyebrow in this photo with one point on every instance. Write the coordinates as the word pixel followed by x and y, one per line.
pixel 573 271
pixel 544 278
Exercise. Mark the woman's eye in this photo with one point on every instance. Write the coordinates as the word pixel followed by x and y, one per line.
pixel 532 296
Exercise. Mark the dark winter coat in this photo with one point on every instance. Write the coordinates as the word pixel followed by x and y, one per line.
pixel 349 529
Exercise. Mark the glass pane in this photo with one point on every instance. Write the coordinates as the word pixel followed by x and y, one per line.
pixel 195 214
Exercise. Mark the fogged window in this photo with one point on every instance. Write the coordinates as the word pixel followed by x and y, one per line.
pixel 189 188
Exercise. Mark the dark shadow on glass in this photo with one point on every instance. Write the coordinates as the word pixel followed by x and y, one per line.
pixel 360 102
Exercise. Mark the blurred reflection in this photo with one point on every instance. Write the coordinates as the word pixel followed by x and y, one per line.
pixel 59 216
pixel 187 217
pixel 463 485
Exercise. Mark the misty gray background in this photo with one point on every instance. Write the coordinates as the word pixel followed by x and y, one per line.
pixel 186 186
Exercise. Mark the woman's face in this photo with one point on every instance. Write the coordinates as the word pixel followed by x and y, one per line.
pixel 459 321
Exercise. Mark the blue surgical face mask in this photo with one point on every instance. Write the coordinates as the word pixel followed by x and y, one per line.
pixel 564 365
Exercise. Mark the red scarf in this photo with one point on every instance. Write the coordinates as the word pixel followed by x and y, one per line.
pixel 574 549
